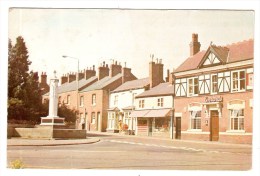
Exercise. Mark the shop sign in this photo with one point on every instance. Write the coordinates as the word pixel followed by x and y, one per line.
pixel 213 99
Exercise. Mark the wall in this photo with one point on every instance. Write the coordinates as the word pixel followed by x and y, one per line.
pixel 151 102
pixel 225 135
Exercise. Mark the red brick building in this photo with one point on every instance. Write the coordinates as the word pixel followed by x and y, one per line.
pixel 94 99
pixel 214 93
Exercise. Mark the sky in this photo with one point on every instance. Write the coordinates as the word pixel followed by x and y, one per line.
pixel 131 36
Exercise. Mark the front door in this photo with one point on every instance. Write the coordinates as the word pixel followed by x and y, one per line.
pixel 150 127
pixel 214 125
pixel 178 128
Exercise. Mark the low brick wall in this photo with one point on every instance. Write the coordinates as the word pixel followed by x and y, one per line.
pixel 43 133
pixel 69 133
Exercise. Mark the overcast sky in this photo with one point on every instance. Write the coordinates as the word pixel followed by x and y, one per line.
pixel 129 36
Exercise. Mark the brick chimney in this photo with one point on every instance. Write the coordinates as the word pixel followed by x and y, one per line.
pixel 64 79
pixel 81 75
pixel 90 72
pixel 103 71
pixel 115 69
pixel 71 77
pixel 194 45
pixel 126 74
pixel 43 78
pixel 155 73
pixel 43 83
pixel 168 75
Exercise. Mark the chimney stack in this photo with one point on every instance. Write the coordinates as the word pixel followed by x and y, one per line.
pixel 43 78
pixel 71 77
pixel 64 79
pixel 194 45
pixel 81 75
pixel 115 69
pixel 43 83
pixel 90 72
pixel 155 73
pixel 103 71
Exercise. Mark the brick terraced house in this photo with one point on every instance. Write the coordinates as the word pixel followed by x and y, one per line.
pixel 94 99
pixel 214 93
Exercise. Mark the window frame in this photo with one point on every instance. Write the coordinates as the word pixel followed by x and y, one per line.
pixel 212 84
pixel 195 119
pixel 81 101
pixel 141 103
pixel 93 99
pixel 68 99
pixel 239 119
pixel 193 85
pixel 238 81
pixel 93 118
pixel 160 102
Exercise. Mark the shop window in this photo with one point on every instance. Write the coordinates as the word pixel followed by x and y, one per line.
pixel 141 103
pixel 195 117
pixel 214 84
pixel 161 124
pixel 93 99
pixel 160 102
pixel 236 119
pixel 238 81
pixel 93 118
pixel 193 87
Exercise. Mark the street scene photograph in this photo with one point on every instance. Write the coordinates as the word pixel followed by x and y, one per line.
pixel 130 89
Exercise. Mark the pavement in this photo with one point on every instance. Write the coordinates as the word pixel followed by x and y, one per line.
pixel 94 137
pixel 50 142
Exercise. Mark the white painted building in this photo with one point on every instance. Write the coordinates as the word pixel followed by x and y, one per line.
pixel 153 111
pixel 121 104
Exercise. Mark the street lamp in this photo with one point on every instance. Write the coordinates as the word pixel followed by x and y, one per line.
pixel 77 78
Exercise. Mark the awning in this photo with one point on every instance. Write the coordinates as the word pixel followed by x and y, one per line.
pixel 151 113
pixel 158 113
pixel 140 113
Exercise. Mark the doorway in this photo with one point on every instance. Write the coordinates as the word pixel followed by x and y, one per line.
pixel 150 127
pixel 98 121
pixel 178 128
pixel 214 125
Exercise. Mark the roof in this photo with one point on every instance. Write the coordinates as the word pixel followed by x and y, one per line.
pixel 135 84
pixel 102 83
pixel 67 87
pixel 159 90
pixel 230 53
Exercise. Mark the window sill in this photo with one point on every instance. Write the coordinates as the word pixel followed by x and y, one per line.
pixel 235 131
pixel 194 130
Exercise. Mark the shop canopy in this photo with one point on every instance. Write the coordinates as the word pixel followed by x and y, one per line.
pixel 151 113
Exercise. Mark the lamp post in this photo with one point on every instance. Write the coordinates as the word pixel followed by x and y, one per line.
pixel 77 79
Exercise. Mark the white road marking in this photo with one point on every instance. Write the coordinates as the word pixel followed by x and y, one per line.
pixel 171 147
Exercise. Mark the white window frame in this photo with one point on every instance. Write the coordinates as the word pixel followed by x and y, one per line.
pixel 193 87
pixel 127 119
pixel 239 81
pixel 211 85
pixel 160 102
pixel 195 118
pixel 115 100
pixel 94 99
pixel 81 101
pixel 141 103
pixel 239 119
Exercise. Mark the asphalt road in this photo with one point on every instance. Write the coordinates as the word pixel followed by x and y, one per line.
pixel 135 153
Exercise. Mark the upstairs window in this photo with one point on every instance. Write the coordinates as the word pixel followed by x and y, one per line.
pixel 193 86
pixel 238 81
pixel 141 103
pixel 94 99
pixel 68 99
pixel 214 84
pixel 81 101
pixel 160 102
pixel 116 100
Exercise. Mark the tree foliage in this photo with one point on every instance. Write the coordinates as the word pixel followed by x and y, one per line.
pixel 24 98
pixel 24 94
